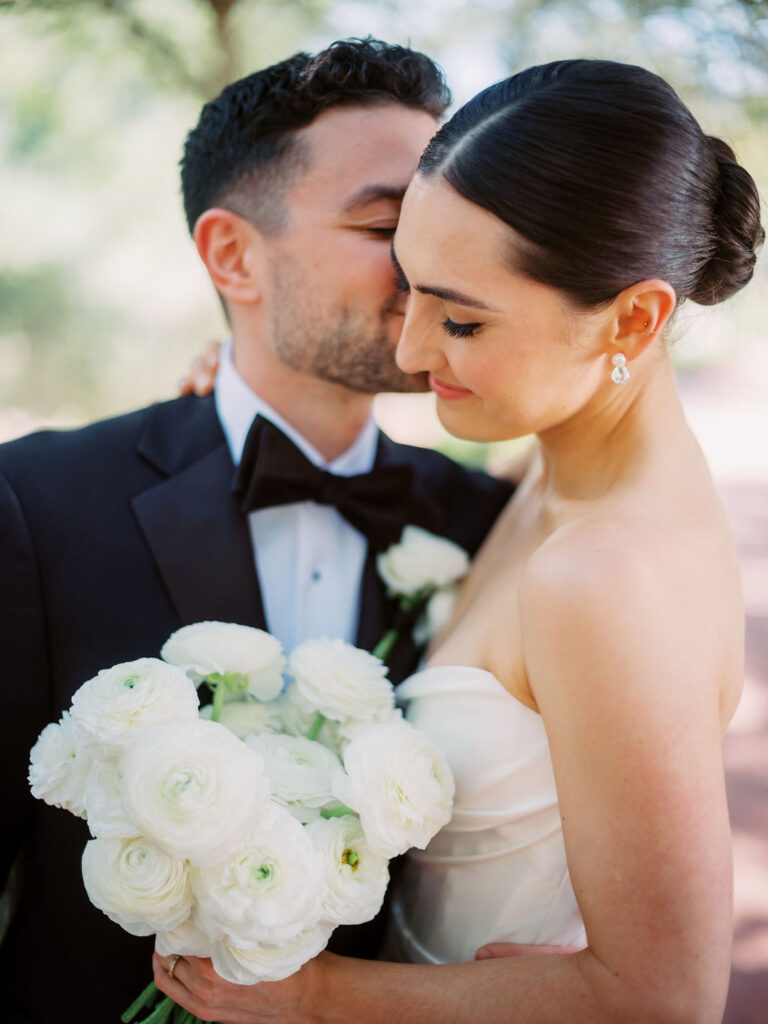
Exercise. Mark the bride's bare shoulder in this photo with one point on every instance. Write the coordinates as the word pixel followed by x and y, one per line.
pixel 641 578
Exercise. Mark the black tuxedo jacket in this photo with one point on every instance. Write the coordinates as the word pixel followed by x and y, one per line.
pixel 112 537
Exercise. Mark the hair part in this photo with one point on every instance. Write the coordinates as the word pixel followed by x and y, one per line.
pixel 243 154
pixel 607 178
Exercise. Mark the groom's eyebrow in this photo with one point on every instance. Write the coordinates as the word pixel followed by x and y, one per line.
pixel 372 194
pixel 448 294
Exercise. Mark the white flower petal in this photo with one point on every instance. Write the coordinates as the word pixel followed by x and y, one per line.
pixel 248 966
pixel 421 561
pixel 60 763
pixel 399 783
pixel 104 804
pixel 341 681
pixel 194 789
pixel 299 770
pixel 268 888
pixel 120 701
pixel 137 885
pixel 225 648
pixel 356 878
pixel 245 717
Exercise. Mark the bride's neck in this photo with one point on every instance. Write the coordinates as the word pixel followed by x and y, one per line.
pixel 609 443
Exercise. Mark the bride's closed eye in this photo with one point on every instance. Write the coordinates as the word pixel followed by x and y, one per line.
pixel 458 330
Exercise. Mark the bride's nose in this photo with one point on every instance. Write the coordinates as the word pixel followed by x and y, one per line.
pixel 415 351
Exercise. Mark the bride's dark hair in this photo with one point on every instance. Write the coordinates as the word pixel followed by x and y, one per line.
pixel 608 178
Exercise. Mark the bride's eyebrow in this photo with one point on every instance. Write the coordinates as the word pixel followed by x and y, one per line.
pixel 448 294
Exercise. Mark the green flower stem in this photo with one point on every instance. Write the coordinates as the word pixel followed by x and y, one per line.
pixel 185 1017
pixel 148 996
pixel 162 1012
pixel 335 812
pixel 218 699
pixel 316 726
pixel 385 645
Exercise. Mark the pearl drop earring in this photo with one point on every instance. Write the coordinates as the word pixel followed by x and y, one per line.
pixel 620 373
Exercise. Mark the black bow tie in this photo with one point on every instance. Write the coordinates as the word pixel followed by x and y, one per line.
pixel 273 471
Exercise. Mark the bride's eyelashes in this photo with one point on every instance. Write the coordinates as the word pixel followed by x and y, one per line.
pixel 457 330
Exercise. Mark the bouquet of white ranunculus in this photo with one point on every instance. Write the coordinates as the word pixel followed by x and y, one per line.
pixel 246 830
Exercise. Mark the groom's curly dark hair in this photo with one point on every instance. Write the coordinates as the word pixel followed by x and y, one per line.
pixel 243 153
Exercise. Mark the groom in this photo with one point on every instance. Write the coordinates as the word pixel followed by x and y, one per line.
pixel 114 535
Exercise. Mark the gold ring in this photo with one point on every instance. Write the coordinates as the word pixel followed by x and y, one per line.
pixel 172 965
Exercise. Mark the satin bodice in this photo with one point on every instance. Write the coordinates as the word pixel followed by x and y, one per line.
pixel 497 871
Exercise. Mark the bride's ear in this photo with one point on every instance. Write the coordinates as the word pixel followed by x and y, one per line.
pixel 641 311
pixel 232 250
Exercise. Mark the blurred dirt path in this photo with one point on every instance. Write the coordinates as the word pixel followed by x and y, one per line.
pixel 728 410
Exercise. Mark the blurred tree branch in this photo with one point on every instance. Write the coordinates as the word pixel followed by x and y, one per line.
pixel 155 37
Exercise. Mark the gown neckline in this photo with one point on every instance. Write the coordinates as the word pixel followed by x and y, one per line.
pixel 421 683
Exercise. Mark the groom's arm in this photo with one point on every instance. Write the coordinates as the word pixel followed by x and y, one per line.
pixel 24 669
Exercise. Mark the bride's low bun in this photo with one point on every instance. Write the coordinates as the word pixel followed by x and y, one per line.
pixel 606 179
pixel 737 232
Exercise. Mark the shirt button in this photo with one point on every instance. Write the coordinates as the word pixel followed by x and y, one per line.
pixel 316 576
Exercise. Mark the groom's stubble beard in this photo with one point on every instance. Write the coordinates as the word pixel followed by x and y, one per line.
pixel 335 342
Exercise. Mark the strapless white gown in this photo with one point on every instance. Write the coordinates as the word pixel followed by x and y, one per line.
pixel 497 871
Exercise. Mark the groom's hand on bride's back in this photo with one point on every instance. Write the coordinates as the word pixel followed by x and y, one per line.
pixel 497 950
pixel 202 372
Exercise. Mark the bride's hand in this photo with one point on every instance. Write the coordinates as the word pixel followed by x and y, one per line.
pixel 198 988
pixel 202 372
pixel 498 950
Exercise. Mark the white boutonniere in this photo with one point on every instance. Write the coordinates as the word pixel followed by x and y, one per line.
pixel 421 571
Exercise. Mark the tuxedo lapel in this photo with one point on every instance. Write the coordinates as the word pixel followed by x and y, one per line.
pixel 425 510
pixel 376 609
pixel 195 530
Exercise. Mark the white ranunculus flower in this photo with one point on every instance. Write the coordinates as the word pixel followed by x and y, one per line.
pixel 137 885
pixel 421 561
pixel 104 803
pixel 248 966
pixel 185 940
pixel 399 783
pixel 437 613
pixel 339 735
pixel 251 659
pixel 266 888
pixel 356 878
pixel 110 708
pixel 244 717
pixel 299 771
pixel 297 714
pixel 341 681
pixel 59 765
pixel 194 789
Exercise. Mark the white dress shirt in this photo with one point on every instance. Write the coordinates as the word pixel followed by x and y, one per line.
pixel 308 558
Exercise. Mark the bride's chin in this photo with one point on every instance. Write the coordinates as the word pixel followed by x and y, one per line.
pixel 471 425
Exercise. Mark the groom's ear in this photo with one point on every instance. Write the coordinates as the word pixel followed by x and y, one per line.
pixel 640 313
pixel 232 250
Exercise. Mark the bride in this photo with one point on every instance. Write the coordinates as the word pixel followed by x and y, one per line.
pixel 595 658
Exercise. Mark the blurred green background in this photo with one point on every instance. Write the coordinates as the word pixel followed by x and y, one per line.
pixel 102 299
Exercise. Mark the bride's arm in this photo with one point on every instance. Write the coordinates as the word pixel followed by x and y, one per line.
pixel 620 662
pixel 628 655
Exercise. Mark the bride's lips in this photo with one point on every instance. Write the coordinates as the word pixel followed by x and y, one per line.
pixel 447 391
